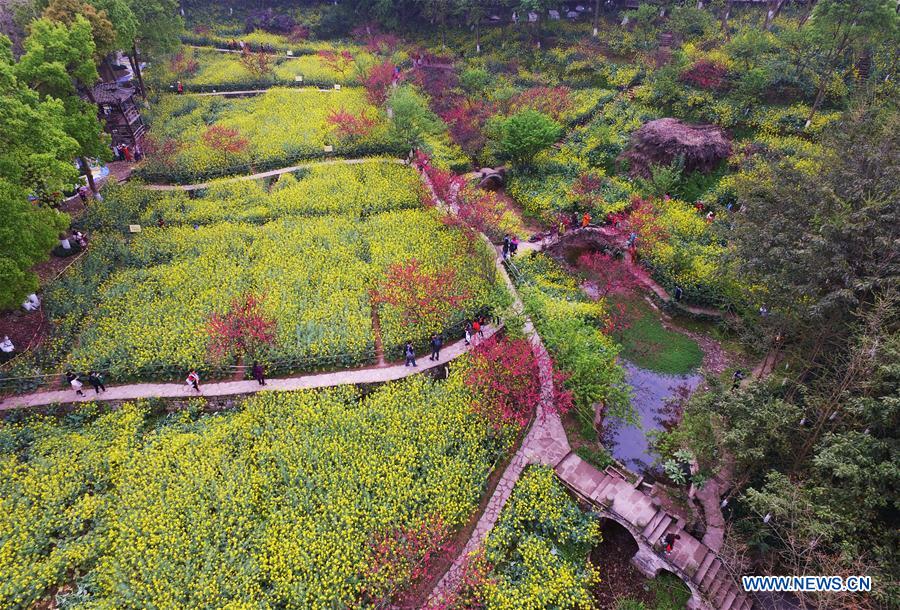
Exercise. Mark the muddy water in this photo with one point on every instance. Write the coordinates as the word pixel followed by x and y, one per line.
pixel 653 394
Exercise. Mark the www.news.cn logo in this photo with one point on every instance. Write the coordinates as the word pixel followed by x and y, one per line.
pixel 806 584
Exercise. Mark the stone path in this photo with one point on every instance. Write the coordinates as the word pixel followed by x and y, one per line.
pixel 373 374
pixel 699 566
pixel 268 174
pixel 712 587
pixel 252 92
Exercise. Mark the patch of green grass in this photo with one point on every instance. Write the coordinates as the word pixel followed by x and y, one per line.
pixel 596 457
pixel 667 591
pixel 650 346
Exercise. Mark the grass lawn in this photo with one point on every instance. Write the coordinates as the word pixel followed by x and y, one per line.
pixel 650 346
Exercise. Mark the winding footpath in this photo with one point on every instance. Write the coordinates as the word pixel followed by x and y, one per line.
pixel 371 374
pixel 269 174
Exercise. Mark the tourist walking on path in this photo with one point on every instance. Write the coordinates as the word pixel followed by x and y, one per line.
pixel 513 245
pixel 74 382
pixel 96 381
pixel 468 335
pixel 506 245
pixel 258 373
pixel 678 293
pixel 193 380
pixel 436 343
pixel 670 541
pixel 410 355
pixel 585 220
pixel 736 379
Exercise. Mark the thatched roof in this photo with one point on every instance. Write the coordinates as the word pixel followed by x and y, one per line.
pixel 660 142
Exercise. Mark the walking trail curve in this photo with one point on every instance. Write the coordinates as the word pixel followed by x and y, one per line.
pixel 712 585
pixel 372 374
pixel 268 174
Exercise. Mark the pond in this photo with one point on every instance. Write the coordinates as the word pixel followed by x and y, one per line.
pixel 653 394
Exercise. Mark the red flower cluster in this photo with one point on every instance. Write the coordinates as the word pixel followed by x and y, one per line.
pixel 406 555
pixel 507 378
pixel 339 62
pixel 552 101
pixel 423 297
pixel 349 125
pixel 378 82
pixel 183 66
pixel 241 331
pixel 705 74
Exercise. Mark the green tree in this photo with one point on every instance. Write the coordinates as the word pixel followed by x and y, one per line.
pixel 66 11
pixel 821 237
pixel 157 30
pixel 839 27
pixel 58 63
pixel 525 134
pixel 412 120
pixel 27 234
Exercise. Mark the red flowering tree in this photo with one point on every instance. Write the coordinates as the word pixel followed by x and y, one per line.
pixel 183 65
pixel 299 33
pixel 382 44
pixel 378 82
pixel 422 297
pixel 705 74
pixel 404 555
pixel 610 274
pixel 259 64
pixel 219 137
pixel 162 152
pixel 350 126
pixel 484 211
pixel 466 122
pixel 340 62
pixel 242 331
pixel 644 221
pixel 588 190
pixel 446 184
pixel 506 379
pixel 552 101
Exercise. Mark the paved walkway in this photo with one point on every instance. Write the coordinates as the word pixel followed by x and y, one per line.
pixel 251 92
pixel 268 174
pixel 373 374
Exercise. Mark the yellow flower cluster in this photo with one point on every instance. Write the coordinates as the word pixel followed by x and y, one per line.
pixel 276 505
pixel 216 68
pixel 281 123
pixel 539 547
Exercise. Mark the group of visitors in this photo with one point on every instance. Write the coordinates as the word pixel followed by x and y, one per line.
pixel 123 152
pixel 94 378
pixel 474 330
pixel 510 246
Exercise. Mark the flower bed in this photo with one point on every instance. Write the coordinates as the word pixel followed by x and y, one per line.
pixel 313 250
pixel 267 131
pixel 536 556
pixel 296 500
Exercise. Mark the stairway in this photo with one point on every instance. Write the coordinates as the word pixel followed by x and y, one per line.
pixel 690 558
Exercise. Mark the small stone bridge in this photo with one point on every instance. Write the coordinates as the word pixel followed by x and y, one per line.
pixel 712 586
